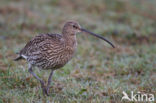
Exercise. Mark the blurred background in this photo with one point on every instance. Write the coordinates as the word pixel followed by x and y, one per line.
pixel 98 73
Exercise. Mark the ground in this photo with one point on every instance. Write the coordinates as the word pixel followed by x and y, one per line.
pixel 98 73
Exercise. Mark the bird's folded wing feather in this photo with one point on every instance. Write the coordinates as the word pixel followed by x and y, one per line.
pixel 40 43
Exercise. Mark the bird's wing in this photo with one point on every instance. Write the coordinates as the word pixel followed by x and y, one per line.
pixel 35 45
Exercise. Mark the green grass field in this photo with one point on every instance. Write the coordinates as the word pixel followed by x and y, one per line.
pixel 97 73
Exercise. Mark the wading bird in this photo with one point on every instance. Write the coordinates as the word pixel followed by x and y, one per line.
pixel 52 51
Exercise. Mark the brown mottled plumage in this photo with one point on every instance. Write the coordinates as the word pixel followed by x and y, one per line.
pixel 48 51
pixel 52 51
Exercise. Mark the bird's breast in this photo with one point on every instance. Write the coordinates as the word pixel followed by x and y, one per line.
pixel 61 56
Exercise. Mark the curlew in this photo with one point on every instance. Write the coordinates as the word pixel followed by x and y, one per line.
pixel 52 51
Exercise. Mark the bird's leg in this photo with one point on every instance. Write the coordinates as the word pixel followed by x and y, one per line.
pixel 41 81
pixel 49 81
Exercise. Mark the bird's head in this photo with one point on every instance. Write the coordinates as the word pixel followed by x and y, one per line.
pixel 71 28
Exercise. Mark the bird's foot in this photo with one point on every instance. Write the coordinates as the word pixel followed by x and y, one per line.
pixel 47 90
pixel 44 89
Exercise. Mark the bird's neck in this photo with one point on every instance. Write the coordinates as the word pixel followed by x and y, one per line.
pixel 70 40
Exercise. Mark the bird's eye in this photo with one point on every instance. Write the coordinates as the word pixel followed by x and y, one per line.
pixel 74 26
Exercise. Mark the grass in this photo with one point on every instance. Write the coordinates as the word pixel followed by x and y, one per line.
pixel 97 73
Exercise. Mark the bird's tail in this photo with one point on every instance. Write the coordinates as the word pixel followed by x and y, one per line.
pixel 19 57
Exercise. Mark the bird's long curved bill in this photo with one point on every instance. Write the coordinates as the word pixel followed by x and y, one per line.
pixel 96 35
